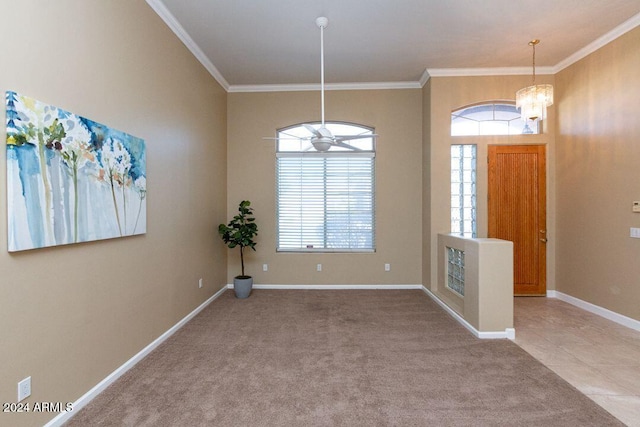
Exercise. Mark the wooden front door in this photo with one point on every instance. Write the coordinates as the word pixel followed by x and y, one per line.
pixel 517 211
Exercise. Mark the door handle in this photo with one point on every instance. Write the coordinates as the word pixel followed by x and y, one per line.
pixel 543 240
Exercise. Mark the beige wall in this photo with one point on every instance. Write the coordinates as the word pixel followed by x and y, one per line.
pixel 449 94
pixel 426 185
pixel 598 178
pixel 397 118
pixel 71 315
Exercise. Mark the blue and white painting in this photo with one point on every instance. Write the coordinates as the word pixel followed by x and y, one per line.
pixel 70 179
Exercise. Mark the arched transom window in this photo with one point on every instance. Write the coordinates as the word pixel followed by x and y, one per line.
pixel 491 118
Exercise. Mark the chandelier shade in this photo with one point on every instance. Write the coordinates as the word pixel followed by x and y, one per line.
pixel 533 100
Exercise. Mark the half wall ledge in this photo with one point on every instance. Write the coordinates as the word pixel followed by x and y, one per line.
pixel 475 283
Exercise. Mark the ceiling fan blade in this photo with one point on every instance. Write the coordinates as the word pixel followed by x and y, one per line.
pixel 289 138
pixel 312 130
pixel 350 137
pixel 343 145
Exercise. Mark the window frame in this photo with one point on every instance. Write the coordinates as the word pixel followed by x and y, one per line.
pixel 342 161
pixel 493 109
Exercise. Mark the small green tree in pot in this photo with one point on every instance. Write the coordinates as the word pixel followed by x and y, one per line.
pixel 240 232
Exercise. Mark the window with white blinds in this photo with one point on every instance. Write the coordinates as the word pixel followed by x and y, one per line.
pixel 326 200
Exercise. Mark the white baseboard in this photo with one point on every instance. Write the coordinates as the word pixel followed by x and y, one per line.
pixel 88 396
pixel 331 287
pixel 596 309
pixel 509 333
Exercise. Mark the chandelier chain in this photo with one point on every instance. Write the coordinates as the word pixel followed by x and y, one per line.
pixel 533 44
pixel 534 64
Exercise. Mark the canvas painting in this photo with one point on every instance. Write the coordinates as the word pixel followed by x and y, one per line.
pixel 70 179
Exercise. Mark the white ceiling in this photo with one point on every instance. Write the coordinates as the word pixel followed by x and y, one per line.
pixel 249 43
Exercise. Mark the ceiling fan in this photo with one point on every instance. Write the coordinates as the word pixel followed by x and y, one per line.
pixel 322 139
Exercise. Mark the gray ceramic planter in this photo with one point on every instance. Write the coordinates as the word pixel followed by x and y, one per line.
pixel 242 286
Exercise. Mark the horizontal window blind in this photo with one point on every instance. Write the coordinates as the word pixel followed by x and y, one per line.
pixel 325 201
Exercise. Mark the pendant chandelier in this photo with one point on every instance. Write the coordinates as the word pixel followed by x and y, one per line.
pixel 534 100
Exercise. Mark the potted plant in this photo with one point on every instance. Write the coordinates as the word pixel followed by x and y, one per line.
pixel 240 232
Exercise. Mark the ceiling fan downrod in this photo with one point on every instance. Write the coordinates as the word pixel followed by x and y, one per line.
pixel 322 23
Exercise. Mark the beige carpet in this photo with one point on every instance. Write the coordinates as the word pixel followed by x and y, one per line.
pixel 337 358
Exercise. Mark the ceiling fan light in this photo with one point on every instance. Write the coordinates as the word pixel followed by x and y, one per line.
pixel 321 145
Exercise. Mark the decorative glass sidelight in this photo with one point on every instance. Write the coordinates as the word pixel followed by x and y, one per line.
pixel 455 270
pixel 463 189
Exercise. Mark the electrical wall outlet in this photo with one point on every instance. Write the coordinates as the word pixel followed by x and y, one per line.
pixel 635 233
pixel 24 389
pixel 387 267
pixel 319 267
pixel 200 283
pixel 265 267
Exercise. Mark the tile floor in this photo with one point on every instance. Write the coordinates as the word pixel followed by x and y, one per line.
pixel 597 356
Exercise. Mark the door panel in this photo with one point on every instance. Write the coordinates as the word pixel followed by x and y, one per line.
pixel 517 211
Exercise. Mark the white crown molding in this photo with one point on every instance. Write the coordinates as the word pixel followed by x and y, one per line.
pixel 179 31
pixel 424 78
pixel 621 29
pixel 275 88
pixel 328 86
pixel 498 71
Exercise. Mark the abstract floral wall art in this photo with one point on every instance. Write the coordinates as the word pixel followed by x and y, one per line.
pixel 70 179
